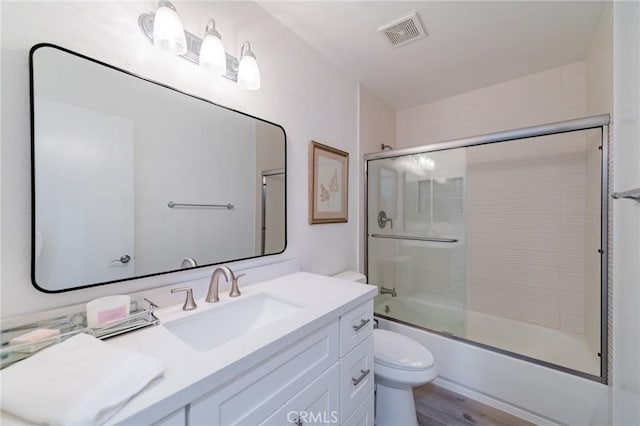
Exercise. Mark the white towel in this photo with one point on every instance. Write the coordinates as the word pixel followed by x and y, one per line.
pixel 80 381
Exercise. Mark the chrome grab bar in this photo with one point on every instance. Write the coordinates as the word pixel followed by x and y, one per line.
pixel 229 206
pixel 408 237
pixel 363 374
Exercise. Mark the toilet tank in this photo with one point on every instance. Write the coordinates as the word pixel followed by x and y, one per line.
pixel 351 276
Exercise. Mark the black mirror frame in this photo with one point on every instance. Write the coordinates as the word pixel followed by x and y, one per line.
pixel 33 184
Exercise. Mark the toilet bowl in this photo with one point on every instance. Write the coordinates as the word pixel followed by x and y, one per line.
pixel 399 364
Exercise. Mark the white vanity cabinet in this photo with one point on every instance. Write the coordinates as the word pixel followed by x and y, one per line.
pixel 258 395
pixel 324 378
pixel 314 366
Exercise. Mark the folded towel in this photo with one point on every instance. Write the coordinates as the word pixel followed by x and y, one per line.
pixel 80 381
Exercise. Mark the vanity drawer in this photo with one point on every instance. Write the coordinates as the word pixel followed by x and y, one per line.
pixel 355 326
pixel 259 392
pixel 356 377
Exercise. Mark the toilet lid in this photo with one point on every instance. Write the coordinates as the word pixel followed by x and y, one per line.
pixel 398 351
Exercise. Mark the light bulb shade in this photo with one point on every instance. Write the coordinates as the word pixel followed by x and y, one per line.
pixel 248 73
pixel 168 33
pixel 212 56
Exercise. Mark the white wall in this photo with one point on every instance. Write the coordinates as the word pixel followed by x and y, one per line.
pixel 553 95
pixel 599 67
pixel 626 214
pixel 377 122
pixel 376 126
pixel 301 90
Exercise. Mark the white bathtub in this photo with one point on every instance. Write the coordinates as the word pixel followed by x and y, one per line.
pixel 422 313
pixel 536 393
pixel 542 343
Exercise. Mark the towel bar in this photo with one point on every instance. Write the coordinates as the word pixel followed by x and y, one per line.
pixel 633 194
pixel 171 205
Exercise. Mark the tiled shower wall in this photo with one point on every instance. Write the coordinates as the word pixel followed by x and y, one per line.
pixel 526 215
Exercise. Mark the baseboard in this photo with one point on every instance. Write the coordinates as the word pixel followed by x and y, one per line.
pixel 493 402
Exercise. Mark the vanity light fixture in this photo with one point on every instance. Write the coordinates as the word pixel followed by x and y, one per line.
pixel 212 54
pixel 208 53
pixel 168 33
pixel 248 72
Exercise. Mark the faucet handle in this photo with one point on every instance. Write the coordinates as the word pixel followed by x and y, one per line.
pixel 189 303
pixel 235 291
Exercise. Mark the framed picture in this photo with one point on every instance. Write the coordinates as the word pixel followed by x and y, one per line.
pixel 328 184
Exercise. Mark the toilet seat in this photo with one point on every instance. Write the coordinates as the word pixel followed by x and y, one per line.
pixel 393 350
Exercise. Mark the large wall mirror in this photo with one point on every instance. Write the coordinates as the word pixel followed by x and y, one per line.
pixel 132 178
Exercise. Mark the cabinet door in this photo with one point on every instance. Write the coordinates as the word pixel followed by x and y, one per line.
pixel 356 377
pixel 363 416
pixel 318 403
pixel 258 393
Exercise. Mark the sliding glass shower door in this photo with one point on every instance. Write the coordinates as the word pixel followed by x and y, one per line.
pixel 416 238
pixel 498 244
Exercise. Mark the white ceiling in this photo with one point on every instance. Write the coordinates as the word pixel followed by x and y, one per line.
pixel 470 44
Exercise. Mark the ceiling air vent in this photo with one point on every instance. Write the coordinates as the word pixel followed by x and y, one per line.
pixel 403 31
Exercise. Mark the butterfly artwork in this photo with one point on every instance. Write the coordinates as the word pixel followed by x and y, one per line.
pixel 328 182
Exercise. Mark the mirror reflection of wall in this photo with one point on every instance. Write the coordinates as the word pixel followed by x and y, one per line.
pixel 84 187
pixel 112 150
pixel 271 179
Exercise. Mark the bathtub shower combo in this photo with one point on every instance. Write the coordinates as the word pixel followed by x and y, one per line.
pixel 498 240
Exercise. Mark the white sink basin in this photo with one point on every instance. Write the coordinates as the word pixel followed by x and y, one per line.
pixel 211 328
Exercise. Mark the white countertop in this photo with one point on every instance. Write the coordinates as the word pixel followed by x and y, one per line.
pixel 189 373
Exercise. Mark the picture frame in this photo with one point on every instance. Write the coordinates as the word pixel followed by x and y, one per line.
pixel 328 184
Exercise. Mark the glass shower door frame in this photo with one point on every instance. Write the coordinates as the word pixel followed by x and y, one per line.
pixel 594 122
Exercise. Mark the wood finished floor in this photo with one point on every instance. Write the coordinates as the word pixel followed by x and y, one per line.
pixel 437 406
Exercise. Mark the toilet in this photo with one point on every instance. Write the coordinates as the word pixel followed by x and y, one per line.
pixel 399 364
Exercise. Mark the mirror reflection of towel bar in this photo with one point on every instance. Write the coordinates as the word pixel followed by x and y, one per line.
pixel 408 237
pixel 633 194
pixel 229 206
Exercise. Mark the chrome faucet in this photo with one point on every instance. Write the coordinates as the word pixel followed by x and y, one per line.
pixel 391 291
pixel 212 294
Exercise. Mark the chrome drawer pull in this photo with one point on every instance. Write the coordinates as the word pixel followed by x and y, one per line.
pixel 363 322
pixel 362 376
